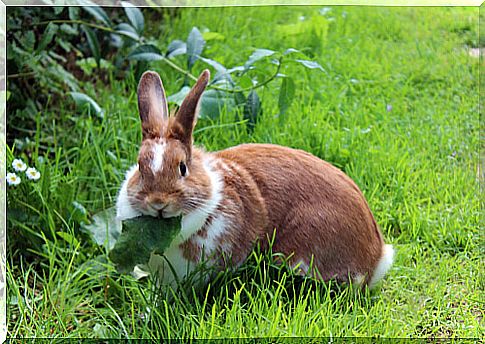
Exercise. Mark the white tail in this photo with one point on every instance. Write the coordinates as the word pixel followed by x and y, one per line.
pixel 383 266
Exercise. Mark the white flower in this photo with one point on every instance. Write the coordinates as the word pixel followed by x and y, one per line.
pixel 18 165
pixel 12 179
pixel 32 173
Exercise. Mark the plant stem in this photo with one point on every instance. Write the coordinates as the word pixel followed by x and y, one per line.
pixel 179 69
pixel 76 21
pixel 20 75
pixel 265 82
pixel 81 22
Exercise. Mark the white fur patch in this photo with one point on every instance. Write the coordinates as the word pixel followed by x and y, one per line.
pixel 191 223
pixel 158 152
pixel 214 231
pixel 194 220
pixel 181 266
pixel 383 266
pixel 124 209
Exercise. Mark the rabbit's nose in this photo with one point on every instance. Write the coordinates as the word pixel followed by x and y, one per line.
pixel 157 202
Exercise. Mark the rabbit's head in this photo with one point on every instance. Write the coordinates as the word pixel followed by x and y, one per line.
pixel 171 179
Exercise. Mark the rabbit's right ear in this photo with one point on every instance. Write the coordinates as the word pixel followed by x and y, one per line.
pixel 152 105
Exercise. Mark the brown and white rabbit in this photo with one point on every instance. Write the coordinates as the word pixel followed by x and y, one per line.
pixel 230 199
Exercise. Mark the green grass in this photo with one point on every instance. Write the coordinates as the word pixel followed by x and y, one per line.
pixel 418 166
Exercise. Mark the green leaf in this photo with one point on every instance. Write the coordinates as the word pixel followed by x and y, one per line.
pixel 104 228
pixel 69 29
pixel 195 45
pixel 176 48
pixel 311 64
pixel 145 52
pixel 84 101
pixel 217 66
pixel 69 238
pixel 290 51
pixel 287 93
pixel 245 81
pixel 257 55
pixel 140 237
pixel 179 97
pixel 96 11
pixel 252 109
pixel 79 213
pixel 127 30
pixel 28 41
pixel 93 43
pixel 73 12
pixel 134 16
pixel 49 33
pixel 58 10
pixel 213 101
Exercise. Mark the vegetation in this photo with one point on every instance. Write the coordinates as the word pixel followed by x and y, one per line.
pixel 389 95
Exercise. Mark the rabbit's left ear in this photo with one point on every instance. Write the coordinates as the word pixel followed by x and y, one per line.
pixel 152 105
pixel 187 114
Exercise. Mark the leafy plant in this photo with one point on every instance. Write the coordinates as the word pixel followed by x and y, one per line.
pixel 230 88
pixel 49 51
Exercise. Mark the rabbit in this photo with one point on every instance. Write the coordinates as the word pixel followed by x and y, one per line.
pixel 231 199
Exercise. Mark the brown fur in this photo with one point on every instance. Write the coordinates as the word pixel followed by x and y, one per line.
pixel 318 212
pixel 315 208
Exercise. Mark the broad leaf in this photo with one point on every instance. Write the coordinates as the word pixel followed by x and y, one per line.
pixel 93 44
pixel 235 69
pixel 245 81
pixel 290 51
pixel 311 64
pixel 176 48
pixel 287 94
pixel 195 45
pixel 140 237
pixel 28 41
pixel 79 213
pixel 217 66
pixel 213 101
pixel 134 16
pixel 211 104
pixel 96 11
pixel 84 101
pixel 104 228
pixel 127 30
pixel 49 33
pixel 252 109
pixel 257 55
pixel 179 97
pixel 221 72
pixel 146 52
pixel 73 12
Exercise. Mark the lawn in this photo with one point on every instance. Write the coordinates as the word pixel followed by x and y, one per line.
pixel 396 108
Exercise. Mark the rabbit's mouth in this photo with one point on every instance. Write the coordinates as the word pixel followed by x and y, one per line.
pixel 165 213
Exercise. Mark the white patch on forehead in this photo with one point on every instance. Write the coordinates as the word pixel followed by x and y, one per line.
pixel 158 152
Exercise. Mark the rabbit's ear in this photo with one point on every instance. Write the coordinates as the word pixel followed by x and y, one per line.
pixel 152 105
pixel 187 114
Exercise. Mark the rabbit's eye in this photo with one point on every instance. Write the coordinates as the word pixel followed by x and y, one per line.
pixel 183 169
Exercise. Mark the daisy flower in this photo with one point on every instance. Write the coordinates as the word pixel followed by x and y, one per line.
pixel 18 165
pixel 32 173
pixel 12 179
